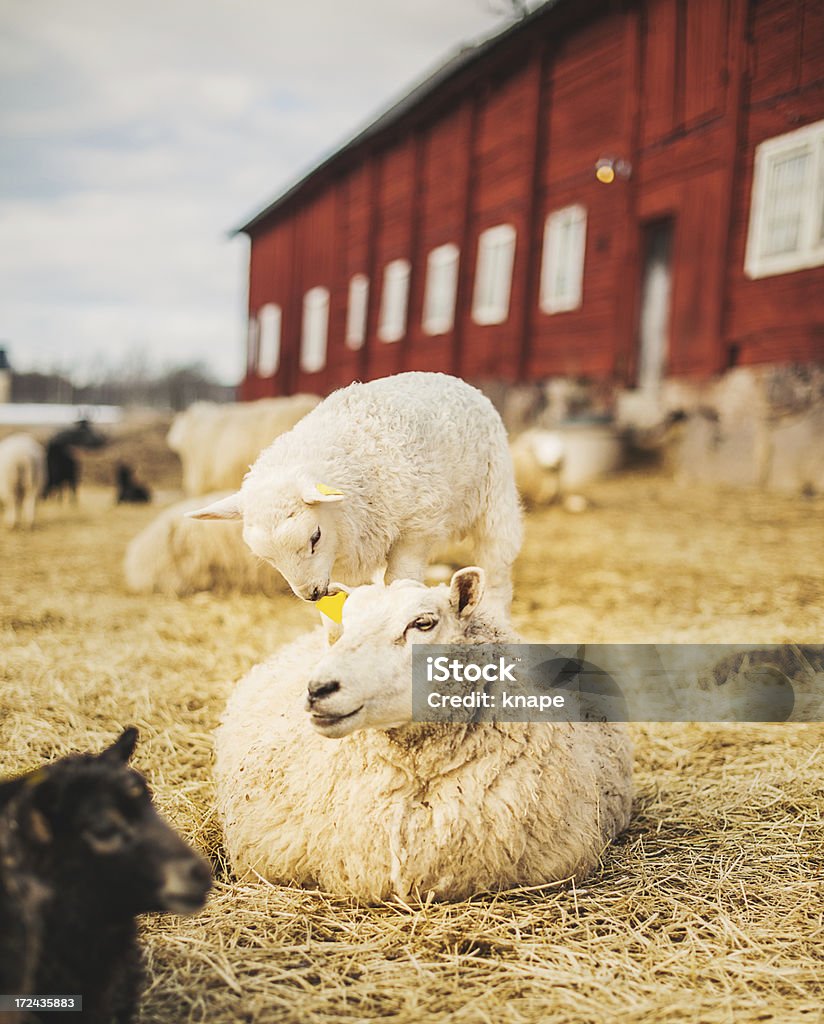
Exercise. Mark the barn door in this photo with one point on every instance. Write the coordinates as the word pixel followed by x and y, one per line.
pixel 656 288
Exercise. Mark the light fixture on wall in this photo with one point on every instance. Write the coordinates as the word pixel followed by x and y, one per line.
pixel 608 168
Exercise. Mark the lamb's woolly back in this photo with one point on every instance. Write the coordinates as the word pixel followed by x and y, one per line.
pixel 414 808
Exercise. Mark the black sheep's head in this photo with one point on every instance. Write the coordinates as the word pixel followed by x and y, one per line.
pixel 92 829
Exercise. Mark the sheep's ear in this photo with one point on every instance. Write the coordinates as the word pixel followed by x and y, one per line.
pixel 466 590
pixel 226 508
pixel 313 492
pixel 123 747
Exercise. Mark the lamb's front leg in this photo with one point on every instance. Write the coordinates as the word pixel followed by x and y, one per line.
pixel 408 559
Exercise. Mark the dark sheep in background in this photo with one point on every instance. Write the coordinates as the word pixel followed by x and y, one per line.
pixel 61 470
pixel 61 464
pixel 83 852
pixel 128 490
pixel 81 435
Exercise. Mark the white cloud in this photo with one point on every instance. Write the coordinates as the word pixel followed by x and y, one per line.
pixel 136 135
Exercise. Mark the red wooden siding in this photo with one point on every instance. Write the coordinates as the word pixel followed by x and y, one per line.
pixel 682 91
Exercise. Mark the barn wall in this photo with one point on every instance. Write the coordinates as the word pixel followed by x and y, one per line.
pixel 683 91
pixel 586 117
pixel 778 318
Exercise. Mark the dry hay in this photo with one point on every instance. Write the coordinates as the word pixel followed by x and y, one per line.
pixel 708 909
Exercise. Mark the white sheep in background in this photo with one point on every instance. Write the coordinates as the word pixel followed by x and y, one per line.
pixel 218 443
pixel 368 803
pixel 381 475
pixel 537 457
pixel 174 555
pixel 22 477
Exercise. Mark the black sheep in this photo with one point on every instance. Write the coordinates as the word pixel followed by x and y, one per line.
pixel 128 490
pixel 61 464
pixel 82 853
pixel 61 469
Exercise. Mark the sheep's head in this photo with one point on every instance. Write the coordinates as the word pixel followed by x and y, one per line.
pixel 290 524
pixel 90 829
pixel 365 680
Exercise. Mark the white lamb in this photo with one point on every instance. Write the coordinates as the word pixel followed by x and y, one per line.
pixel 22 477
pixel 218 443
pixel 381 475
pixel 370 804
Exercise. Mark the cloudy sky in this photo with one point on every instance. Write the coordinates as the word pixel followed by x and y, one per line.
pixel 135 135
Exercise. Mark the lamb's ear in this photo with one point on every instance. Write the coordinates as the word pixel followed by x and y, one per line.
pixel 466 590
pixel 123 747
pixel 313 492
pixel 226 508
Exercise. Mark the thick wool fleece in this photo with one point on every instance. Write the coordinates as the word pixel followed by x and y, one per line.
pixel 447 809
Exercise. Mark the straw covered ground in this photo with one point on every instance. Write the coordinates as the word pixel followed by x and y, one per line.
pixel 709 908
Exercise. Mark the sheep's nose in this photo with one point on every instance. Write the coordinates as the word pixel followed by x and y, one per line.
pixel 318 690
pixel 315 595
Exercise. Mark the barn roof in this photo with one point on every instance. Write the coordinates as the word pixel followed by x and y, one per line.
pixel 462 60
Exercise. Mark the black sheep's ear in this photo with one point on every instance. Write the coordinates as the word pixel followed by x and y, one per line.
pixel 122 748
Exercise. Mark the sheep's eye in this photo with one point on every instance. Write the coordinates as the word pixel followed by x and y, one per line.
pixel 105 837
pixel 424 623
pixel 313 540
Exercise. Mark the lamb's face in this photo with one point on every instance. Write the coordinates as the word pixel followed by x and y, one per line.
pixel 299 540
pixel 365 680
pixel 288 521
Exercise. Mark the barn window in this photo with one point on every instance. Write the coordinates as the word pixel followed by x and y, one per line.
pixel 356 311
pixel 441 289
pixel 268 358
pixel 562 263
pixel 315 328
pixel 786 231
pixel 392 323
pixel 493 275
pixel 252 335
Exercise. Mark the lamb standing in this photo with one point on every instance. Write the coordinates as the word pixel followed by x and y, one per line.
pixel 381 475
pixel 373 805
pixel 82 853
pixel 22 477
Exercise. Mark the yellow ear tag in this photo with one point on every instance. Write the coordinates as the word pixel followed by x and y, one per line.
pixel 325 489
pixel 332 606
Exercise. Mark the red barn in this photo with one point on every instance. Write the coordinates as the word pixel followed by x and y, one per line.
pixel 623 190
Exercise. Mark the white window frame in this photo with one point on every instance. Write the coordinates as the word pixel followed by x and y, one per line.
pixel 809 252
pixel 562 259
pixel 441 289
pixel 268 355
pixel 315 330
pixel 394 300
pixel 356 311
pixel 252 339
pixel 493 274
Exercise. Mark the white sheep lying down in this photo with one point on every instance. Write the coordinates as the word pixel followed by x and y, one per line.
pixel 218 443
pixel 174 555
pixel 22 478
pixel 355 798
pixel 381 475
